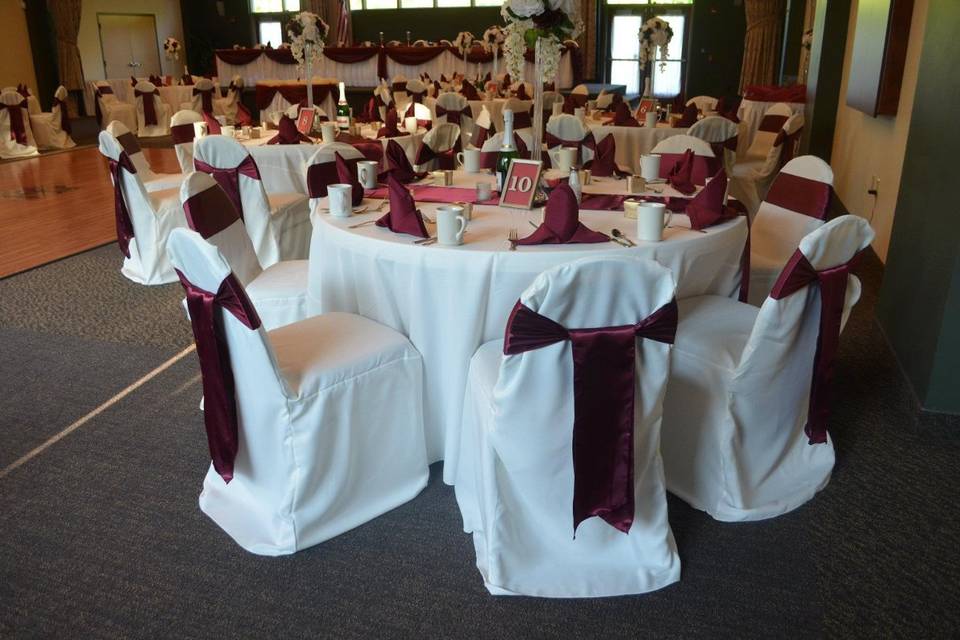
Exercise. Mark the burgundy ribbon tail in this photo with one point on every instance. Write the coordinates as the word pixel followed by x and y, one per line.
pixel 18 131
pixel 121 214
pixel 797 274
pixel 229 179
pixel 149 108
pixel 219 389
pixel 604 365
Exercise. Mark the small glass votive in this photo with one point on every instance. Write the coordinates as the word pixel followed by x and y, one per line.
pixel 484 191
pixel 447 177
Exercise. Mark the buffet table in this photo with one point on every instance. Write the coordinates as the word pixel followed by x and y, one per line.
pixel 363 66
pixel 451 300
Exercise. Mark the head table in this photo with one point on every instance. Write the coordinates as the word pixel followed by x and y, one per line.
pixel 449 300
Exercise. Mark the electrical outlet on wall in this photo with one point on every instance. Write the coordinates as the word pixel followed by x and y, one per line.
pixel 874 185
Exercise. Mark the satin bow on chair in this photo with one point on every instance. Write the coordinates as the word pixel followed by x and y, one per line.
pixel 64 115
pixel 445 159
pixel 788 144
pixel 18 130
pixel 121 214
pixel 801 195
pixel 604 392
pixel 219 388
pixel 149 108
pixel 587 141
pixel 453 115
pixel 206 99
pixel 229 179
pixel 832 284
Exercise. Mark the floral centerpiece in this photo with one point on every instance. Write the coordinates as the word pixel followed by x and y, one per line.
pixel 307 32
pixel 654 34
pixel 172 48
pixel 464 42
pixel 493 38
pixel 534 22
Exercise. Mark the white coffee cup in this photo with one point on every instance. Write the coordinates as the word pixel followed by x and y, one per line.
pixel 328 132
pixel 451 224
pixel 367 173
pixel 339 199
pixel 650 166
pixel 580 112
pixel 410 124
pixel 229 130
pixel 467 209
pixel 652 219
pixel 563 159
pixel 469 159
pixel 650 119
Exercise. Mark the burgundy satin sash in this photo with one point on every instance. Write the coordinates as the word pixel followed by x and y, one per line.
pixel 100 91
pixel 719 147
pixel 799 194
pixel 182 133
pixel 453 115
pixel 219 388
pixel 206 99
pixel 445 159
pixel 772 124
pixel 149 109
pixel 797 274
pixel 121 214
pixel 604 366
pixel 587 141
pixel 788 144
pixel 522 120
pixel 229 179
pixel 18 131
pixel 703 167
pixel 210 211
pixel 399 86
pixel 129 143
pixel 64 115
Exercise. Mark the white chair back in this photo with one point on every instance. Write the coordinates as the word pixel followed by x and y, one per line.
pixel 491 146
pixel 9 146
pixel 451 101
pixel 770 125
pixel 569 127
pixel 705 104
pixel 129 142
pixel 483 128
pixel 550 97
pixel 716 131
pixel 182 131
pixel 321 170
pixel 680 143
pixel 441 138
pixel 160 110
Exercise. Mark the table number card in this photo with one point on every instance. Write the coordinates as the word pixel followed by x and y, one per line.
pixel 645 105
pixel 305 120
pixel 520 184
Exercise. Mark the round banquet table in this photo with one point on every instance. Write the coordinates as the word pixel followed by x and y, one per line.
pixel 632 142
pixel 282 165
pixel 451 300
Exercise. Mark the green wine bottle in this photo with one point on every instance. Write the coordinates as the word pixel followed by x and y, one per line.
pixel 343 111
pixel 508 151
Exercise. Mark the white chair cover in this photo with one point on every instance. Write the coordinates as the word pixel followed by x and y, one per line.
pixel 382 91
pixel 153 215
pixel 227 105
pixel 778 229
pixel 450 101
pixel 550 97
pixel 151 180
pixel 196 101
pixel 491 146
pixel 483 127
pixel 278 223
pixel 278 292
pixel 113 109
pixel 9 146
pixel 515 482
pixel 569 127
pixel 162 112
pixel 329 421
pixel 750 180
pixel 48 127
pixel 763 139
pixel 737 401
pixel 325 159
pixel 604 99
pixel 182 131
pixel 716 130
pixel 441 138
pixel 705 104
pixel 680 144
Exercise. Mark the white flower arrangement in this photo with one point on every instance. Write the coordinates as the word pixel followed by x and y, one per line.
pixel 528 21
pixel 172 48
pixel 464 42
pixel 307 32
pixel 493 38
pixel 654 34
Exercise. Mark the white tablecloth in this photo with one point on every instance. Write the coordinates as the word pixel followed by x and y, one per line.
pixel 282 165
pixel 280 104
pixel 495 107
pixel 173 96
pixel 450 300
pixel 632 142
pixel 751 113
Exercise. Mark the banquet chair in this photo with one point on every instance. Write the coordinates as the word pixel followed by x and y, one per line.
pixel 202 97
pixel 278 223
pixel 303 428
pixel 483 128
pixel 568 131
pixel 52 130
pixel 229 105
pixel 183 132
pixel 278 292
pixel 152 121
pixel 152 181
pixel 438 148
pixel 144 219
pixel 550 97
pixel 528 452
pixel 109 108
pixel 321 170
pixel 705 104
pixel 522 112
pixel 744 419
pixel 795 205
pixel 33 105
pixel 454 108
pixel 16 136
pixel 580 94
pixel 721 134
pixel 383 98
pixel 705 164
pixel 604 100
pixel 416 90
pixel 751 179
pixel 490 150
pixel 770 127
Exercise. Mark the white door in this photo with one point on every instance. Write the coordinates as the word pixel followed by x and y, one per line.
pixel 129 45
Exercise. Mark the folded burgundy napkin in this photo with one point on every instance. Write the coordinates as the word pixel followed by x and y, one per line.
pixel 346 175
pixel 680 176
pixel 243 117
pixel 604 162
pixel 213 125
pixel 187 80
pixel 706 209
pixel 522 92
pixel 468 91
pixel 403 217
pixel 622 117
pixel 398 165
pixel 389 128
pixel 287 132
pixel 689 117
pixel 561 222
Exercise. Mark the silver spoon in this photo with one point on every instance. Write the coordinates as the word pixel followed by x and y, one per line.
pixel 619 234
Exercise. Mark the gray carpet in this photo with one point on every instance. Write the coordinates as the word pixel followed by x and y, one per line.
pixel 102 536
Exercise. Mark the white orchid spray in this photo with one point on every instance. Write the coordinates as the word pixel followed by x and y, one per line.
pixel 528 21
pixel 655 34
pixel 493 38
pixel 464 42
pixel 307 31
pixel 172 48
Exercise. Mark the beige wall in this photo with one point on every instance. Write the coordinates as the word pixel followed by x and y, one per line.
pixel 169 23
pixel 16 63
pixel 864 146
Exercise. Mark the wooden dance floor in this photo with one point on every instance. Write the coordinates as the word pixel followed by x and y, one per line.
pixel 55 206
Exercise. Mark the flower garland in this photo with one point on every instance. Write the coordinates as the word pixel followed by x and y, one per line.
pixel 172 48
pixel 493 38
pixel 528 21
pixel 464 42
pixel 655 33
pixel 307 29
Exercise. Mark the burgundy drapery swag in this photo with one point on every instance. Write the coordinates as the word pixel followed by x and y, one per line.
pixel 294 93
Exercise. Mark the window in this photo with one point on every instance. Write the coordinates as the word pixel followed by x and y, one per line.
pixel 361 5
pixel 274 6
pixel 666 81
pixel 270 32
pixel 270 17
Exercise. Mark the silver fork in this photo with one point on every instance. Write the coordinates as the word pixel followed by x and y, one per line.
pixel 512 237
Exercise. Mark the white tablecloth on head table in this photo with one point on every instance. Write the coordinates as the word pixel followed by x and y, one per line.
pixel 280 104
pixel 451 300
pixel 751 113
pixel 632 142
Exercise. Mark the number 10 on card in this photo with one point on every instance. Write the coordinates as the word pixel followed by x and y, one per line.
pixel 520 183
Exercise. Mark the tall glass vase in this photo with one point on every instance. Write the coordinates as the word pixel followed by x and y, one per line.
pixel 308 66
pixel 537 100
